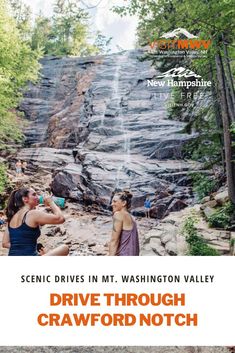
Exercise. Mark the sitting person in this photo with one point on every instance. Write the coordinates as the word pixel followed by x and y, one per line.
pixel 125 240
pixel 2 220
pixel 24 221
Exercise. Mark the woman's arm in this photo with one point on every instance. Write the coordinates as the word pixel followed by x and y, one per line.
pixel 40 218
pixel 6 239
pixel 117 229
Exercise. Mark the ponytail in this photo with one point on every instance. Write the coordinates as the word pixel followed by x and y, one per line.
pixel 15 202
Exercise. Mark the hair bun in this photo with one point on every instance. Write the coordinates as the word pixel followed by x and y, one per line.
pixel 128 194
pixel 125 195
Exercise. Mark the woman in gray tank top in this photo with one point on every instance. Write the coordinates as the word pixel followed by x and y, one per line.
pixel 125 239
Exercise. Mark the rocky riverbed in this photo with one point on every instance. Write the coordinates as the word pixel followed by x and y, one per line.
pixel 103 109
pixel 87 229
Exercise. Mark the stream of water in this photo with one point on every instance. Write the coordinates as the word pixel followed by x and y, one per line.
pixel 117 96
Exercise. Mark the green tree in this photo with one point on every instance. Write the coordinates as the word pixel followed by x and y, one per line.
pixel 42 33
pixel 22 14
pixel 66 33
pixel 18 65
pixel 69 29
pixel 208 19
pixel 102 43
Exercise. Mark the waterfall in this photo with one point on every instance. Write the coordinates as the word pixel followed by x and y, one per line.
pixel 117 98
pixel 137 147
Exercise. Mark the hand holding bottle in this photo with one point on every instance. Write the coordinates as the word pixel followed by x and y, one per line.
pixel 49 200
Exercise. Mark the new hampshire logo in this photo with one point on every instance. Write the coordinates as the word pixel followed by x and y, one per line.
pixel 190 79
pixel 179 72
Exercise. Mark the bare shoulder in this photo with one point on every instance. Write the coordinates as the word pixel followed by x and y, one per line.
pixel 128 220
pixel 35 213
pixel 128 217
pixel 118 216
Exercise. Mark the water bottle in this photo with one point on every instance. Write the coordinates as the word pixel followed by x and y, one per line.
pixel 59 201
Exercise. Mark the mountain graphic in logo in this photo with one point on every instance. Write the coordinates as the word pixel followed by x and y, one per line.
pixel 176 33
pixel 179 72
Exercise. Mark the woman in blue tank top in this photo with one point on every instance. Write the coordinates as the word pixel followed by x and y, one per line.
pixel 24 222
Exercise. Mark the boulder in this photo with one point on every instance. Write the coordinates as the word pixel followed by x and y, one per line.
pixel 211 204
pixel 176 205
pixel 221 197
pixel 171 248
pixel 208 211
pixel 62 185
pixel 165 201
pixel 155 232
pixel 162 194
pixel 166 236
pixel 221 246
pixel 157 247
pixel 205 199
pixel 159 211
pixel 139 212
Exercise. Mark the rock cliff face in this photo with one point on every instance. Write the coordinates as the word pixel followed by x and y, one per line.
pixel 54 106
pixel 119 126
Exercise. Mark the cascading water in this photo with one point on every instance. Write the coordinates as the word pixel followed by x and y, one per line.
pixel 135 146
pixel 117 98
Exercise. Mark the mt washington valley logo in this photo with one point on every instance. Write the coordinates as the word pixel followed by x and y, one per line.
pixel 179 42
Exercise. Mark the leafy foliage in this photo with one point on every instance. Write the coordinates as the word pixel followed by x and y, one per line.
pixel 22 44
pixel 67 32
pixel 18 65
pixel 203 149
pixel 3 177
pixel 197 246
pixel 232 130
pixel 203 185
pixel 232 242
pixel 102 43
pixel 222 218
pixel 207 20
pixel 22 16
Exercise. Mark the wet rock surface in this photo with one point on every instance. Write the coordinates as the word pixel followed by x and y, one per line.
pixel 103 107
pixel 123 140
pixel 57 99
